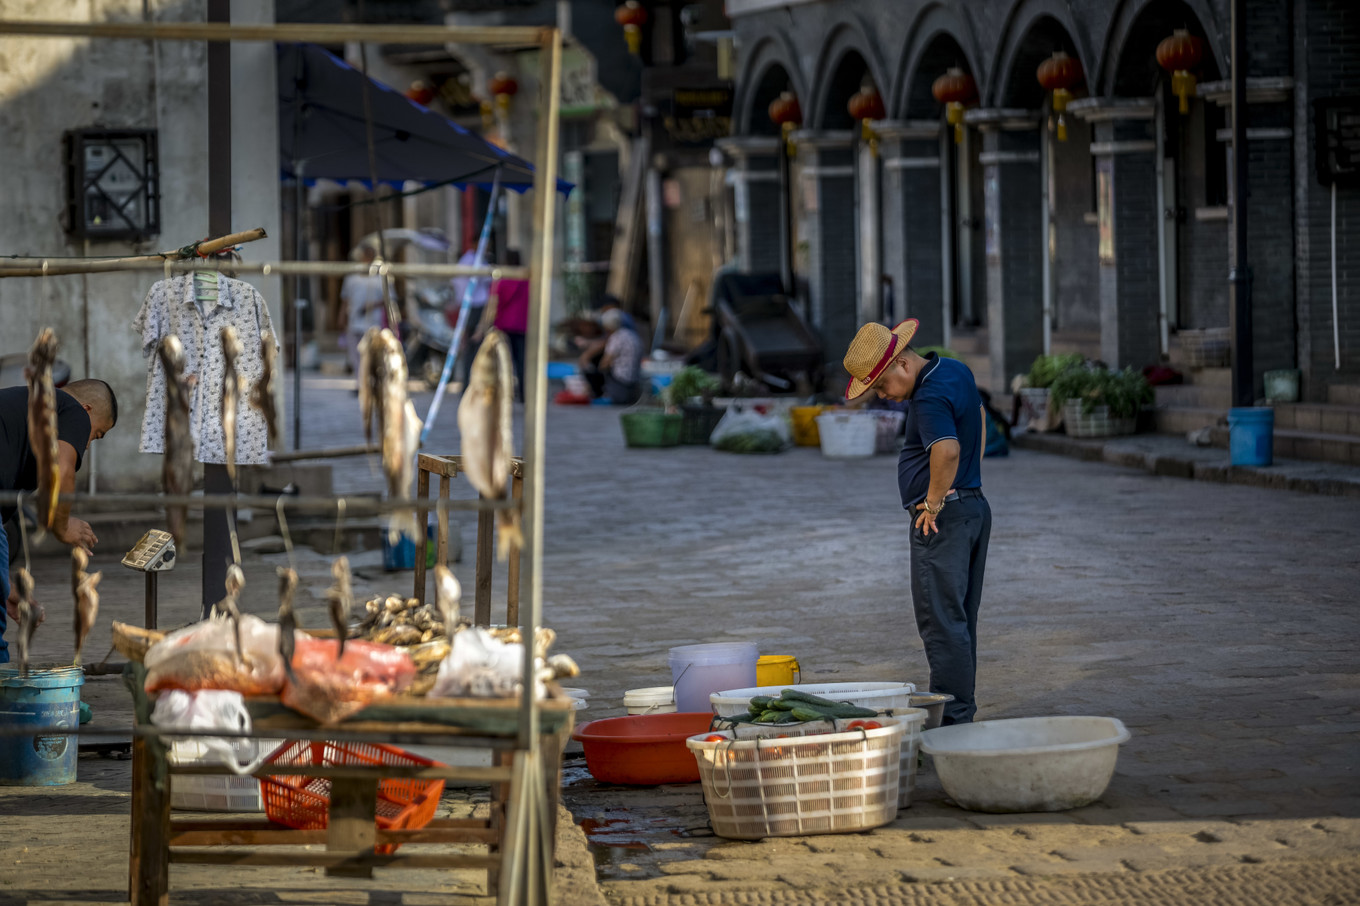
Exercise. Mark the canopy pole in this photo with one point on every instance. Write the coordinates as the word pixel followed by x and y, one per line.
pixel 300 199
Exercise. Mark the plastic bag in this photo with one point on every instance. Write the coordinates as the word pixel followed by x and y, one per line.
pixel 746 428
pixel 481 666
pixel 328 689
pixel 211 709
pixel 203 656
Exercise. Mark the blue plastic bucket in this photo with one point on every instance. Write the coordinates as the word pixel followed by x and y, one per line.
pixel 402 555
pixel 46 697
pixel 1251 436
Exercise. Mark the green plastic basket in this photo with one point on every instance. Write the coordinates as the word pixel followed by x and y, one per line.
pixel 651 429
pixel 698 423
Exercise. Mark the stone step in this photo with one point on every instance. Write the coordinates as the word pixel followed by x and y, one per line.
pixel 1343 449
pixel 1193 396
pixel 1184 419
pixel 1072 342
pixel 969 342
pixel 1323 418
pixel 1209 377
pixel 1344 394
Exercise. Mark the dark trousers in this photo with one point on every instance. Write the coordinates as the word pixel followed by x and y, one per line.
pixel 946 588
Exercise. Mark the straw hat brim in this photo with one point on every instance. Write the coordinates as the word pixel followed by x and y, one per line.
pixel 904 332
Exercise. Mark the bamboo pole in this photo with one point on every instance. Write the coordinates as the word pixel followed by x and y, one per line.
pixel 25 267
pixel 310 33
pixel 343 506
pixel 55 267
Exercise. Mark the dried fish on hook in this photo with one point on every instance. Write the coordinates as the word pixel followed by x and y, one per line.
pixel 231 395
pixel 485 424
pixel 79 560
pixel 340 601
pixel 288 583
pixel 400 429
pixel 28 615
pixel 87 609
pixel 447 595
pixel 229 605
pixel 370 378
pixel 42 423
pixel 264 395
pixel 177 464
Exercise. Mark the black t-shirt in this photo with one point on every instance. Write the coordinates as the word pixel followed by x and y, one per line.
pixel 18 466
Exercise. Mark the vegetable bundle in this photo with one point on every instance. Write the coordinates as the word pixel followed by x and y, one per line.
pixel 793 706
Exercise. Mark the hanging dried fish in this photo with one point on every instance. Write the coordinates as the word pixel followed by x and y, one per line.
pixel 400 435
pixel 288 583
pixel 42 423
pixel 87 609
pixel 447 595
pixel 231 395
pixel 229 606
pixel 485 424
pixel 28 615
pixel 264 395
pixel 177 466
pixel 370 379
pixel 340 601
pixel 79 560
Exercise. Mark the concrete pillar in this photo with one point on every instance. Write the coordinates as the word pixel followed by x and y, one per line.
pixel 1270 228
pixel 1127 214
pixel 913 224
pixel 826 191
pixel 1013 241
pixel 754 178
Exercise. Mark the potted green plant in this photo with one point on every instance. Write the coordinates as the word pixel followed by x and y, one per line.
pixel 1098 402
pixel 1034 393
pixel 691 391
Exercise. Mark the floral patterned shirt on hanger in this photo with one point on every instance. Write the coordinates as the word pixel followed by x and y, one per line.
pixel 173 306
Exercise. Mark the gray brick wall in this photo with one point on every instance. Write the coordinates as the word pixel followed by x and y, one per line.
pixel 1130 299
pixel 1076 269
pixel 1014 262
pixel 912 248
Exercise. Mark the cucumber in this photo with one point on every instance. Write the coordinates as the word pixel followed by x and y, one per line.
pixel 781 704
pixel 827 707
pixel 761 701
pixel 769 717
pixel 803 713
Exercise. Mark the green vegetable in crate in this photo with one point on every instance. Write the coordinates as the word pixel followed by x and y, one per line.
pixel 826 707
pixel 760 703
pixel 761 441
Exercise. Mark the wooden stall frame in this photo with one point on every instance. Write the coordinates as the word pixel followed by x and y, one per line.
pixel 527 875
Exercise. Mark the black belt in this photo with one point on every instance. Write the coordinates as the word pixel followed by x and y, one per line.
pixel 960 493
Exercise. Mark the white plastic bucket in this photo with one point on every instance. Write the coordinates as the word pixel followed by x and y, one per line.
pixel 650 700
pixel 578 698
pixel 700 670
pixel 848 435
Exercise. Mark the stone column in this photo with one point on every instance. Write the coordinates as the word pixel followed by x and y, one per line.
pixel 754 178
pixel 1270 228
pixel 913 226
pixel 1014 243
pixel 1126 209
pixel 825 172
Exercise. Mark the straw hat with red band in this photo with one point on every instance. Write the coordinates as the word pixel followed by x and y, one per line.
pixel 871 352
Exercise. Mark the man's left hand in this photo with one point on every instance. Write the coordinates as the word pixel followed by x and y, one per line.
pixel 78 534
pixel 925 520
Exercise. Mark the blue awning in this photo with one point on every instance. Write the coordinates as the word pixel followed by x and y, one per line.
pixel 322 131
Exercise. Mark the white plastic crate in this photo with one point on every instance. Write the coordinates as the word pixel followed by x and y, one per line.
pixel 914 721
pixel 810 781
pixel 214 792
pixel 879 696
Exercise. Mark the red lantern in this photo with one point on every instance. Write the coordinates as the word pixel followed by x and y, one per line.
pixel 1179 54
pixel 632 17
pixel 954 89
pixel 503 87
pixel 786 113
pixel 421 93
pixel 1058 74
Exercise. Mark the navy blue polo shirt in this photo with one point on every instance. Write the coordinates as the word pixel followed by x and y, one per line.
pixel 944 404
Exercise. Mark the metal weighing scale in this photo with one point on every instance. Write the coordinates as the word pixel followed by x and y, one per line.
pixel 153 554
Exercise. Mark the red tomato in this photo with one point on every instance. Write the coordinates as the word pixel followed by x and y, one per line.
pixel 872 725
pixel 714 737
pixel 855 725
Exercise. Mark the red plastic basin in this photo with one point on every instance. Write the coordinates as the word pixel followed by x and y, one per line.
pixel 643 749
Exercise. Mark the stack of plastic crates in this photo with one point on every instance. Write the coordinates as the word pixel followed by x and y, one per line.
pixel 302 802
pixel 804 780
pixel 216 792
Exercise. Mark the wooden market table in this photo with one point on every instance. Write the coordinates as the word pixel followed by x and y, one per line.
pixel 351 835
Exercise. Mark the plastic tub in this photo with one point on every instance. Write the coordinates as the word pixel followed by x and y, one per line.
pixel 1028 764
pixel 578 698
pixel 933 704
pixel 804 419
pixel 888 423
pixel 1251 435
pixel 882 697
pixel 848 435
pixel 642 749
pixel 700 670
pixel 650 700
pixel 217 792
pixel 777 670
pixel 46 697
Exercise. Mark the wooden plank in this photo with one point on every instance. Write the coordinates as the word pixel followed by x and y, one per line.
pixel 277 836
pixel 331 861
pixel 422 541
pixel 405 772
pixel 512 579
pixel 441 551
pixel 151 871
pixel 351 831
pixel 315 33
pixel 438 464
pixel 185 825
pixel 481 614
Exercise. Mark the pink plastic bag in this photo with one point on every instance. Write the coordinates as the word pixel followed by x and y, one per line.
pixel 329 690
pixel 204 656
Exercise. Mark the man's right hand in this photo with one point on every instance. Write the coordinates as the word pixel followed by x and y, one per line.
pixel 12 610
pixel 78 534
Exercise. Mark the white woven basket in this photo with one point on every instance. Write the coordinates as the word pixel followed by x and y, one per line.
pixel 811 782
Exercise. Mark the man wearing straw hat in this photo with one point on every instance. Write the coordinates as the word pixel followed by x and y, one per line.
pixel 939 474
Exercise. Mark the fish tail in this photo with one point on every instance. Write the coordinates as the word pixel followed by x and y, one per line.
pixel 509 534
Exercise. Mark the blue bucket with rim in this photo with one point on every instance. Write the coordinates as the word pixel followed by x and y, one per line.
pixel 46 697
pixel 1251 435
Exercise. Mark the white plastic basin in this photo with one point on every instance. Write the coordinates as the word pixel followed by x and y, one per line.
pixel 1028 764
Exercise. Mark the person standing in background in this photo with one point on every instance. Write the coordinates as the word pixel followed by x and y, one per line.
pixel 508 312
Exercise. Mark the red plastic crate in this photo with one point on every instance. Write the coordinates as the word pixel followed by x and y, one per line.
pixel 299 801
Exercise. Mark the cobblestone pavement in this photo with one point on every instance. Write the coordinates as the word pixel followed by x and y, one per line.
pixel 1216 621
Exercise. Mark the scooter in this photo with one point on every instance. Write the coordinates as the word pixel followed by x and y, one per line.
pixel 429 337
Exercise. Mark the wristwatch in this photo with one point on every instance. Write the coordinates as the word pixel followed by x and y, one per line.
pixel 934 511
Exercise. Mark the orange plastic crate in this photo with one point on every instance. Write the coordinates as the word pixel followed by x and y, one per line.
pixel 299 801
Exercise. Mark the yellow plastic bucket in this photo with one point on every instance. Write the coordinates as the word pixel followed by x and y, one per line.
pixel 805 426
pixel 777 670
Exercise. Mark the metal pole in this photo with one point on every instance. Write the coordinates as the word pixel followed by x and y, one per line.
pixel 1239 278
pixel 151 599
pixel 785 222
pixel 299 201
